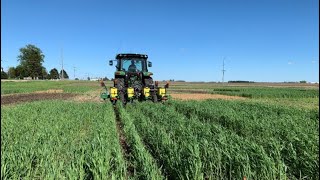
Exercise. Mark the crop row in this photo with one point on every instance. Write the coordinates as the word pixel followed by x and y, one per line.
pixel 60 140
pixel 212 139
pixel 290 134
pixel 229 140
pixel 267 92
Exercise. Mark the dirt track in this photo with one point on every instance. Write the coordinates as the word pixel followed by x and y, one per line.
pixel 20 98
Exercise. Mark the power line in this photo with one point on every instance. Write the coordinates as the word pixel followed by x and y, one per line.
pixel 62 75
pixel 74 72
pixel 223 70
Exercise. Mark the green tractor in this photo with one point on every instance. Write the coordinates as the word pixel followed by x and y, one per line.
pixel 133 81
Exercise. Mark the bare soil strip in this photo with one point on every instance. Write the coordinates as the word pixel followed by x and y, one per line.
pixel 91 96
pixel 51 91
pixel 125 147
pixel 198 91
pixel 21 98
pixel 197 96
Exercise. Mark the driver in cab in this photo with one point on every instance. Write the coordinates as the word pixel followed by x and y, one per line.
pixel 132 67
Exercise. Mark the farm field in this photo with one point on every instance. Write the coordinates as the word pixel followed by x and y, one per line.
pixel 62 130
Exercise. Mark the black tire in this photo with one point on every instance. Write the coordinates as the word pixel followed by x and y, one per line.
pixel 120 84
pixel 148 82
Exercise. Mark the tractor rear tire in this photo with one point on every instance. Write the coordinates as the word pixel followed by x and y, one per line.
pixel 122 98
pixel 148 82
pixel 120 84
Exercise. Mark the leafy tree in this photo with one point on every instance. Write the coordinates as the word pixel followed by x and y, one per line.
pixel 4 75
pixel 44 73
pixel 31 59
pixel 65 75
pixel 54 74
pixel 21 72
pixel 12 73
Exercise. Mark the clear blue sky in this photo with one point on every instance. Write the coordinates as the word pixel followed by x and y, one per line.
pixel 261 40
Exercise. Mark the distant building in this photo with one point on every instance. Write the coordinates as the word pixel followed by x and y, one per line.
pixel 27 78
pixel 94 79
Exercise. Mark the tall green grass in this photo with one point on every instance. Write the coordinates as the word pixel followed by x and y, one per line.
pixel 144 164
pixel 267 92
pixel 295 132
pixel 60 140
pixel 186 148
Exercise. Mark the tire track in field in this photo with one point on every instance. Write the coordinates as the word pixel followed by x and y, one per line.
pixel 125 147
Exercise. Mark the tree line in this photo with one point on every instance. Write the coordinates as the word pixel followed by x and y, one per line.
pixel 30 65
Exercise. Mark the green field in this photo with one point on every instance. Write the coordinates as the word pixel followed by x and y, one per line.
pixel 272 134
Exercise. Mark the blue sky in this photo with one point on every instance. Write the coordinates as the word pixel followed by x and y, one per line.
pixel 261 40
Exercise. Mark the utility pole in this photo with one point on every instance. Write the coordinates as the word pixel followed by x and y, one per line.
pixel 74 72
pixel 223 70
pixel 62 75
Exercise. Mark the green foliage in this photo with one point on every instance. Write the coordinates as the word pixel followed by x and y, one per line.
pixel 11 73
pixel 53 74
pixel 267 92
pixel 4 75
pixel 60 140
pixel 31 59
pixel 21 72
pixel 44 73
pixel 65 74
pixel 144 164
pixel 214 139
pixel 32 86
pixel 193 140
pixel 289 136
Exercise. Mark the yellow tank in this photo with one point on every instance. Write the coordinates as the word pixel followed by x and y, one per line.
pixel 113 92
pixel 161 92
pixel 146 92
pixel 130 92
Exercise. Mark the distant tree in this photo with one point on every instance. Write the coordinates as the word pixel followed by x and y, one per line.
pixel 12 73
pixel 21 72
pixel 31 59
pixel 4 75
pixel 303 81
pixel 105 79
pixel 88 78
pixel 54 74
pixel 44 73
pixel 65 74
pixel 76 79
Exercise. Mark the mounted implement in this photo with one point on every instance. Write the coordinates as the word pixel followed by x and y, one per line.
pixel 133 81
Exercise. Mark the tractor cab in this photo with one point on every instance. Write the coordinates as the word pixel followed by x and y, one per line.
pixel 131 63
